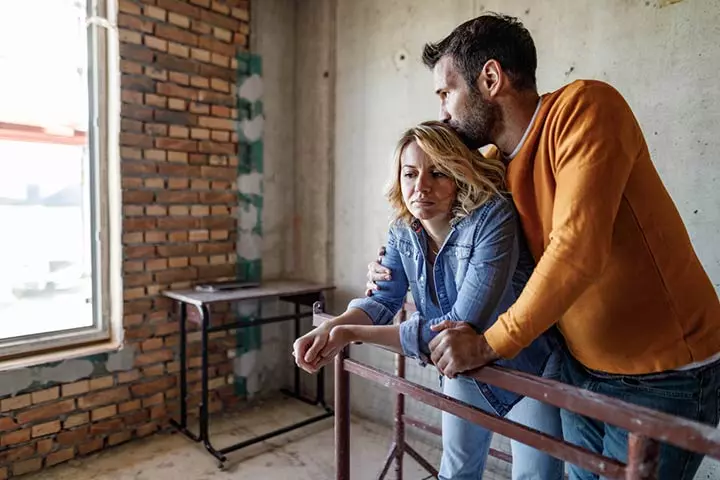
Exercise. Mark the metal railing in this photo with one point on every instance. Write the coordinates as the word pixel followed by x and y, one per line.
pixel 647 428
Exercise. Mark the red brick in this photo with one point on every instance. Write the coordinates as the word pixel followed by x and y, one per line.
pixel 45 446
pixel 176 144
pixel 138 53
pixel 134 23
pixel 76 388
pixel 176 197
pixel 127 377
pixel 118 438
pixel 72 437
pixel 27 466
pixel 129 406
pixel 13 438
pixel 90 446
pixel 133 224
pixel 156 399
pixel 105 397
pixel 7 423
pixel 138 112
pixel 177 104
pixel 216 123
pixel 152 387
pixel 180 6
pixel 219 20
pixel 128 6
pixel 102 382
pixel 172 62
pixel 217 147
pixel 106 426
pixel 156 73
pixel 159 355
pixel 46 428
pixel 59 457
pixel 44 412
pixel 146 430
pixel 200 27
pixel 218 197
pixel 136 140
pixel 76 420
pixel 103 412
pixel 181 78
pixel 220 7
pixel 173 90
pixel 136 417
pixel 15 403
pixel 169 32
pixel 11 455
pixel 137 306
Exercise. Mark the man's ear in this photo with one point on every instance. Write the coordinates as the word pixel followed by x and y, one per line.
pixel 491 79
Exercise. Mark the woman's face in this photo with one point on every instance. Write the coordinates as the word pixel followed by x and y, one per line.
pixel 427 193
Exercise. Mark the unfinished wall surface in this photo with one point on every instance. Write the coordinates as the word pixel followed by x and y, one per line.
pixel 662 56
pixel 179 169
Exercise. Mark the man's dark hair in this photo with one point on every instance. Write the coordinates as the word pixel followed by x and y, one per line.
pixel 492 36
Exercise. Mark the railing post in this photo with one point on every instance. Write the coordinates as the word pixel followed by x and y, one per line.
pixel 342 417
pixel 643 458
pixel 399 412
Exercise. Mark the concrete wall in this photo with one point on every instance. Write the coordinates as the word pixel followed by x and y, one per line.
pixel 663 56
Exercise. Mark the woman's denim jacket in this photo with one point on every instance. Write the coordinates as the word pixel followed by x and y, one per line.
pixel 479 272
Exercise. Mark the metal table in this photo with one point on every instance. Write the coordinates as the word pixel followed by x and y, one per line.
pixel 297 292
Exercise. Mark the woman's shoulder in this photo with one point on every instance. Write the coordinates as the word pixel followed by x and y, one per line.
pixel 498 208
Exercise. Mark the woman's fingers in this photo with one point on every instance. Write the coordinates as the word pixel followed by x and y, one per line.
pixel 319 342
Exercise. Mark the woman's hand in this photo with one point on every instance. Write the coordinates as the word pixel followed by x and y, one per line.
pixel 307 348
pixel 340 336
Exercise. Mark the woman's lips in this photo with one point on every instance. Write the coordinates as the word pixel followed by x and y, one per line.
pixel 424 203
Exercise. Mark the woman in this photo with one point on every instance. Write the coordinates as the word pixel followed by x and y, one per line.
pixel 455 241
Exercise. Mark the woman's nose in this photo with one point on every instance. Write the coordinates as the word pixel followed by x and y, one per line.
pixel 423 184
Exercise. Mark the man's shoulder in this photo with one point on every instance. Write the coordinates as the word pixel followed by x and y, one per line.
pixel 584 91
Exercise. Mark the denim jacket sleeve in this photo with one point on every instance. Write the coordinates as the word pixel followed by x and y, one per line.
pixel 384 303
pixel 491 266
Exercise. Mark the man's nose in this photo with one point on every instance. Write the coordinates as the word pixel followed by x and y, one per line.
pixel 444 115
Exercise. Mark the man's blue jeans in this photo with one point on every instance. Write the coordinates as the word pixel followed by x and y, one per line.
pixel 691 394
pixel 466 445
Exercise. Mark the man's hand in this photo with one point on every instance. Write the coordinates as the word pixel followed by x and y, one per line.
pixel 307 348
pixel 376 272
pixel 459 348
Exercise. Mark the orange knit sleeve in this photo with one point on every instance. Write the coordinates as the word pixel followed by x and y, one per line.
pixel 596 142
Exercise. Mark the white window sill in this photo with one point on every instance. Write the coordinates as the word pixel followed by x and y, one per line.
pixel 34 360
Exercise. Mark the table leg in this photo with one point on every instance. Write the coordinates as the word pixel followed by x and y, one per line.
pixel 297 335
pixel 183 365
pixel 205 381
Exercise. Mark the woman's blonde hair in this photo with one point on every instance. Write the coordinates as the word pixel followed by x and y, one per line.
pixel 477 178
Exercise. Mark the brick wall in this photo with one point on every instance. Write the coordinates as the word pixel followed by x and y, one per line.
pixel 179 165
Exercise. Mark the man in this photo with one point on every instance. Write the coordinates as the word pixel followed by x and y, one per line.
pixel 616 270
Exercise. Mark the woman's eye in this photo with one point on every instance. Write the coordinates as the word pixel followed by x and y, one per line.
pixel 438 174
pixel 408 175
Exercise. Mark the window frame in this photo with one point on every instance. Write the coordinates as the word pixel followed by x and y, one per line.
pixel 106 333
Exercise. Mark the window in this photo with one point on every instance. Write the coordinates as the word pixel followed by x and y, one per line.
pixel 60 211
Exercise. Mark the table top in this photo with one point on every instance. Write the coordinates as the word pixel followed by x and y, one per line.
pixel 270 288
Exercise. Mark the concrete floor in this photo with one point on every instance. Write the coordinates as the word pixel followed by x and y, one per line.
pixel 301 455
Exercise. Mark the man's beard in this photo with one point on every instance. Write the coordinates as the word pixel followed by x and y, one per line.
pixel 481 117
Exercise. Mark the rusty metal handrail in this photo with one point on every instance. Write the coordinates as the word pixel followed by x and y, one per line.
pixel 646 427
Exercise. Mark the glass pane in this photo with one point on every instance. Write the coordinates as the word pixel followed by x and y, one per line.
pixel 45 241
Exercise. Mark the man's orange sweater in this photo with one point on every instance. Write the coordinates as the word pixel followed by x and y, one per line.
pixel 616 268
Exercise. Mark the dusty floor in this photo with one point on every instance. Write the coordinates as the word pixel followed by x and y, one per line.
pixel 304 454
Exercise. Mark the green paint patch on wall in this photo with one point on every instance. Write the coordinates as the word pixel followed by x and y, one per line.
pixel 250 163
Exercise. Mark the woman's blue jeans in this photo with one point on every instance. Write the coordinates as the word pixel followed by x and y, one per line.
pixel 466 445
